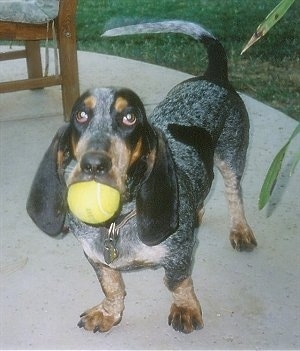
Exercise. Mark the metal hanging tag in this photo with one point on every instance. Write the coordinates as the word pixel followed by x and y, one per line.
pixel 110 251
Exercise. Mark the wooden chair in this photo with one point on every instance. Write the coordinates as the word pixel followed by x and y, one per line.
pixel 60 29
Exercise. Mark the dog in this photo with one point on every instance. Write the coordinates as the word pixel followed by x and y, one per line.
pixel 163 168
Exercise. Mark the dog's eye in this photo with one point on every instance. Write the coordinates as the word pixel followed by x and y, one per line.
pixel 82 117
pixel 129 119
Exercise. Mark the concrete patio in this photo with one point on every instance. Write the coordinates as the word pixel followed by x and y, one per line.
pixel 249 300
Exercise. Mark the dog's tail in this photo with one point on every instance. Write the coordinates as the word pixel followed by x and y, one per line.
pixel 216 71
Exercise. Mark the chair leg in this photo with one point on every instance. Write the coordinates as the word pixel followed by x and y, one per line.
pixel 68 69
pixel 33 59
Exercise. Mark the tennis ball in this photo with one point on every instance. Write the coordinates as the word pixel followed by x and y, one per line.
pixel 93 202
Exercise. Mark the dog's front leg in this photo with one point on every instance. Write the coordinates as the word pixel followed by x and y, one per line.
pixel 185 313
pixel 108 313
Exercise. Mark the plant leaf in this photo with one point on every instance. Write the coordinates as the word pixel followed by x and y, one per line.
pixel 271 177
pixel 273 17
pixel 295 162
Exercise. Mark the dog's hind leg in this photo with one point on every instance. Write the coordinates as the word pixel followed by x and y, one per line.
pixel 241 235
pixel 109 313
pixel 230 159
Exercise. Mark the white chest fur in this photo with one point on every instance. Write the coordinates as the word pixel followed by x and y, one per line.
pixel 138 255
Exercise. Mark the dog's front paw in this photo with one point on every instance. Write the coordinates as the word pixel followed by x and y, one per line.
pixel 185 319
pixel 242 238
pixel 99 319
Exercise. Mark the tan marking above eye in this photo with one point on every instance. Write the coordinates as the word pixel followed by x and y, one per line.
pixel 90 102
pixel 121 104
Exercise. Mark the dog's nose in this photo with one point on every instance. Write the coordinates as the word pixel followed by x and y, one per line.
pixel 94 163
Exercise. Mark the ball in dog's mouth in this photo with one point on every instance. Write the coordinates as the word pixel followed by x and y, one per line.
pixel 92 202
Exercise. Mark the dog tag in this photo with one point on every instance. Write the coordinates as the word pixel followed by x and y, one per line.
pixel 110 251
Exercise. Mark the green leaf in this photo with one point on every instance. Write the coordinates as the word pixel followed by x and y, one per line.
pixel 273 17
pixel 271 178
pixel 272 175
pixel 295 132
pixel 295 162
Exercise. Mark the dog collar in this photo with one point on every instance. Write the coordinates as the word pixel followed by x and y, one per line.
pixel 110 252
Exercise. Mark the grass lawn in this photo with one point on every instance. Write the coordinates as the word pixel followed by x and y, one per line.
pixel 269 71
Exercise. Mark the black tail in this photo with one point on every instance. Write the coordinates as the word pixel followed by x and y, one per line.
pixel 217 61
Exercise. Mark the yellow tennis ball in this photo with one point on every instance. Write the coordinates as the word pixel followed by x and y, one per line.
pixel 93 202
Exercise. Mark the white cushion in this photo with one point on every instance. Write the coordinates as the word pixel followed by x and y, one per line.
pixel 28 11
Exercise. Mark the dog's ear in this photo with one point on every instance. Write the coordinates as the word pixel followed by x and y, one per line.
pixel 157 199
pixel 46 204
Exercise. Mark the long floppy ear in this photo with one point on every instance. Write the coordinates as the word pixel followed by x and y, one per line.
pixel 157 199
pixel 46 204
